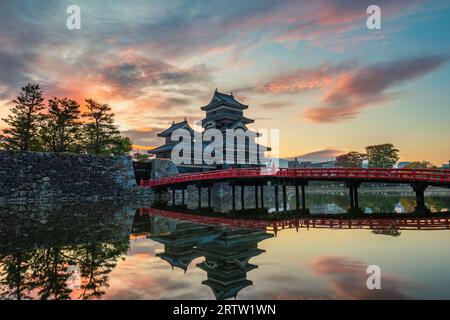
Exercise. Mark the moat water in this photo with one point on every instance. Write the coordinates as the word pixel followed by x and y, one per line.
pixel 119 251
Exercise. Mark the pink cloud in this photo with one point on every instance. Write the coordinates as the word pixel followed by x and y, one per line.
pixel 347 279
pixel 368 86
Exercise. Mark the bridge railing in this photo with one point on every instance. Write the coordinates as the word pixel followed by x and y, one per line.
pixel 376 174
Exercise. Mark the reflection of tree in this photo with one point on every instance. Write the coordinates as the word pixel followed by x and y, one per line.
pixel 96 261
pixel 37 248
pixel 49 274
pixel 15 278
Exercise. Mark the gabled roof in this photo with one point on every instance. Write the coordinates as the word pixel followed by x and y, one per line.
pixel 220 98
pixel 237 124
pixel 163 148
pixel 179 125
pixel 181 261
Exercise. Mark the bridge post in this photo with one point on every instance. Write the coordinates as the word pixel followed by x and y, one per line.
pixel 352 200
pixel 304 198
pixel 256 196
pixel 233 196
pixel 303 208
pixel 183 198
pixel 284 198
pixel 173 197
pixel 419 189
pixel 354 203
pixel 262 196
pixel 276 198
pixel 355 196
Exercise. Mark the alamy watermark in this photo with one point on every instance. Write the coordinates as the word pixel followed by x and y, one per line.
pixel 373 22
pixel 228 147
pixel 374 280
pixel 73 21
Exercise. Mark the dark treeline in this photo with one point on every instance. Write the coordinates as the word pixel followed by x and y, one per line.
pixel 60 126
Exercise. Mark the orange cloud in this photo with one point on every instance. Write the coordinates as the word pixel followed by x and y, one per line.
pixel 367 86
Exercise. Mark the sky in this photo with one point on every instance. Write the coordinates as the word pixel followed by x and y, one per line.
pixel 311 69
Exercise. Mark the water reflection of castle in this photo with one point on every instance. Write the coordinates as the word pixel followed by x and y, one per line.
pixel 226 251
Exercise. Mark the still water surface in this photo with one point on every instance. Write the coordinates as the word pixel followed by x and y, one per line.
pixel 122 252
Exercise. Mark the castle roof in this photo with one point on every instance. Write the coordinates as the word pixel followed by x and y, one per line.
pixel 220 98
pixel 179 125
pixel 162 148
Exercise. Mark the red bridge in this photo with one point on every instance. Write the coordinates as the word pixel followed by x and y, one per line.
pixel 419 179
pixel 437 177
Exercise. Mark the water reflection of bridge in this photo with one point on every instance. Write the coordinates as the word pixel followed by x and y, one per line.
pixel 228 244
pixel 436 222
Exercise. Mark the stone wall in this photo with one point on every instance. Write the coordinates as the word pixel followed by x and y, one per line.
pixel 50 177
pixel 163 168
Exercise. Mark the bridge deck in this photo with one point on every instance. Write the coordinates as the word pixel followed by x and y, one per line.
pixel 437 177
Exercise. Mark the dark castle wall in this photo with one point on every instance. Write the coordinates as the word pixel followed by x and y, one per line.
pixel 49 177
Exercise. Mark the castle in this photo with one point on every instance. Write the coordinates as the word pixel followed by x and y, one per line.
pixel 225 115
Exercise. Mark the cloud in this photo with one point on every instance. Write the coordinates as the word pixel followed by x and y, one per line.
pixel 306 79
pixel 143 137
pixel 134 74
pixel 275 105
pixel 347 278
pixel 368 86
pixel 140 58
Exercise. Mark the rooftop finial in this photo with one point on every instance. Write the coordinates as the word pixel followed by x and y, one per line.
pixel 232 93
pixel 215 91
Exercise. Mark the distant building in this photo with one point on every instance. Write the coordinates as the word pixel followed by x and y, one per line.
pixel 295 164
pixel 223 112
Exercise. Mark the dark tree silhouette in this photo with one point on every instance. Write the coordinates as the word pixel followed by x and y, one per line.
pixel 101 135
pixel 60 130
pixel 24 120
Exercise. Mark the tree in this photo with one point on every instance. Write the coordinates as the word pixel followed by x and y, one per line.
pixel 120 145
pixel 420 165
pixel 24 120
pixel 101 135
pixel 382 155
pixel 141 156
pixel 60 129
pixel 352 159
